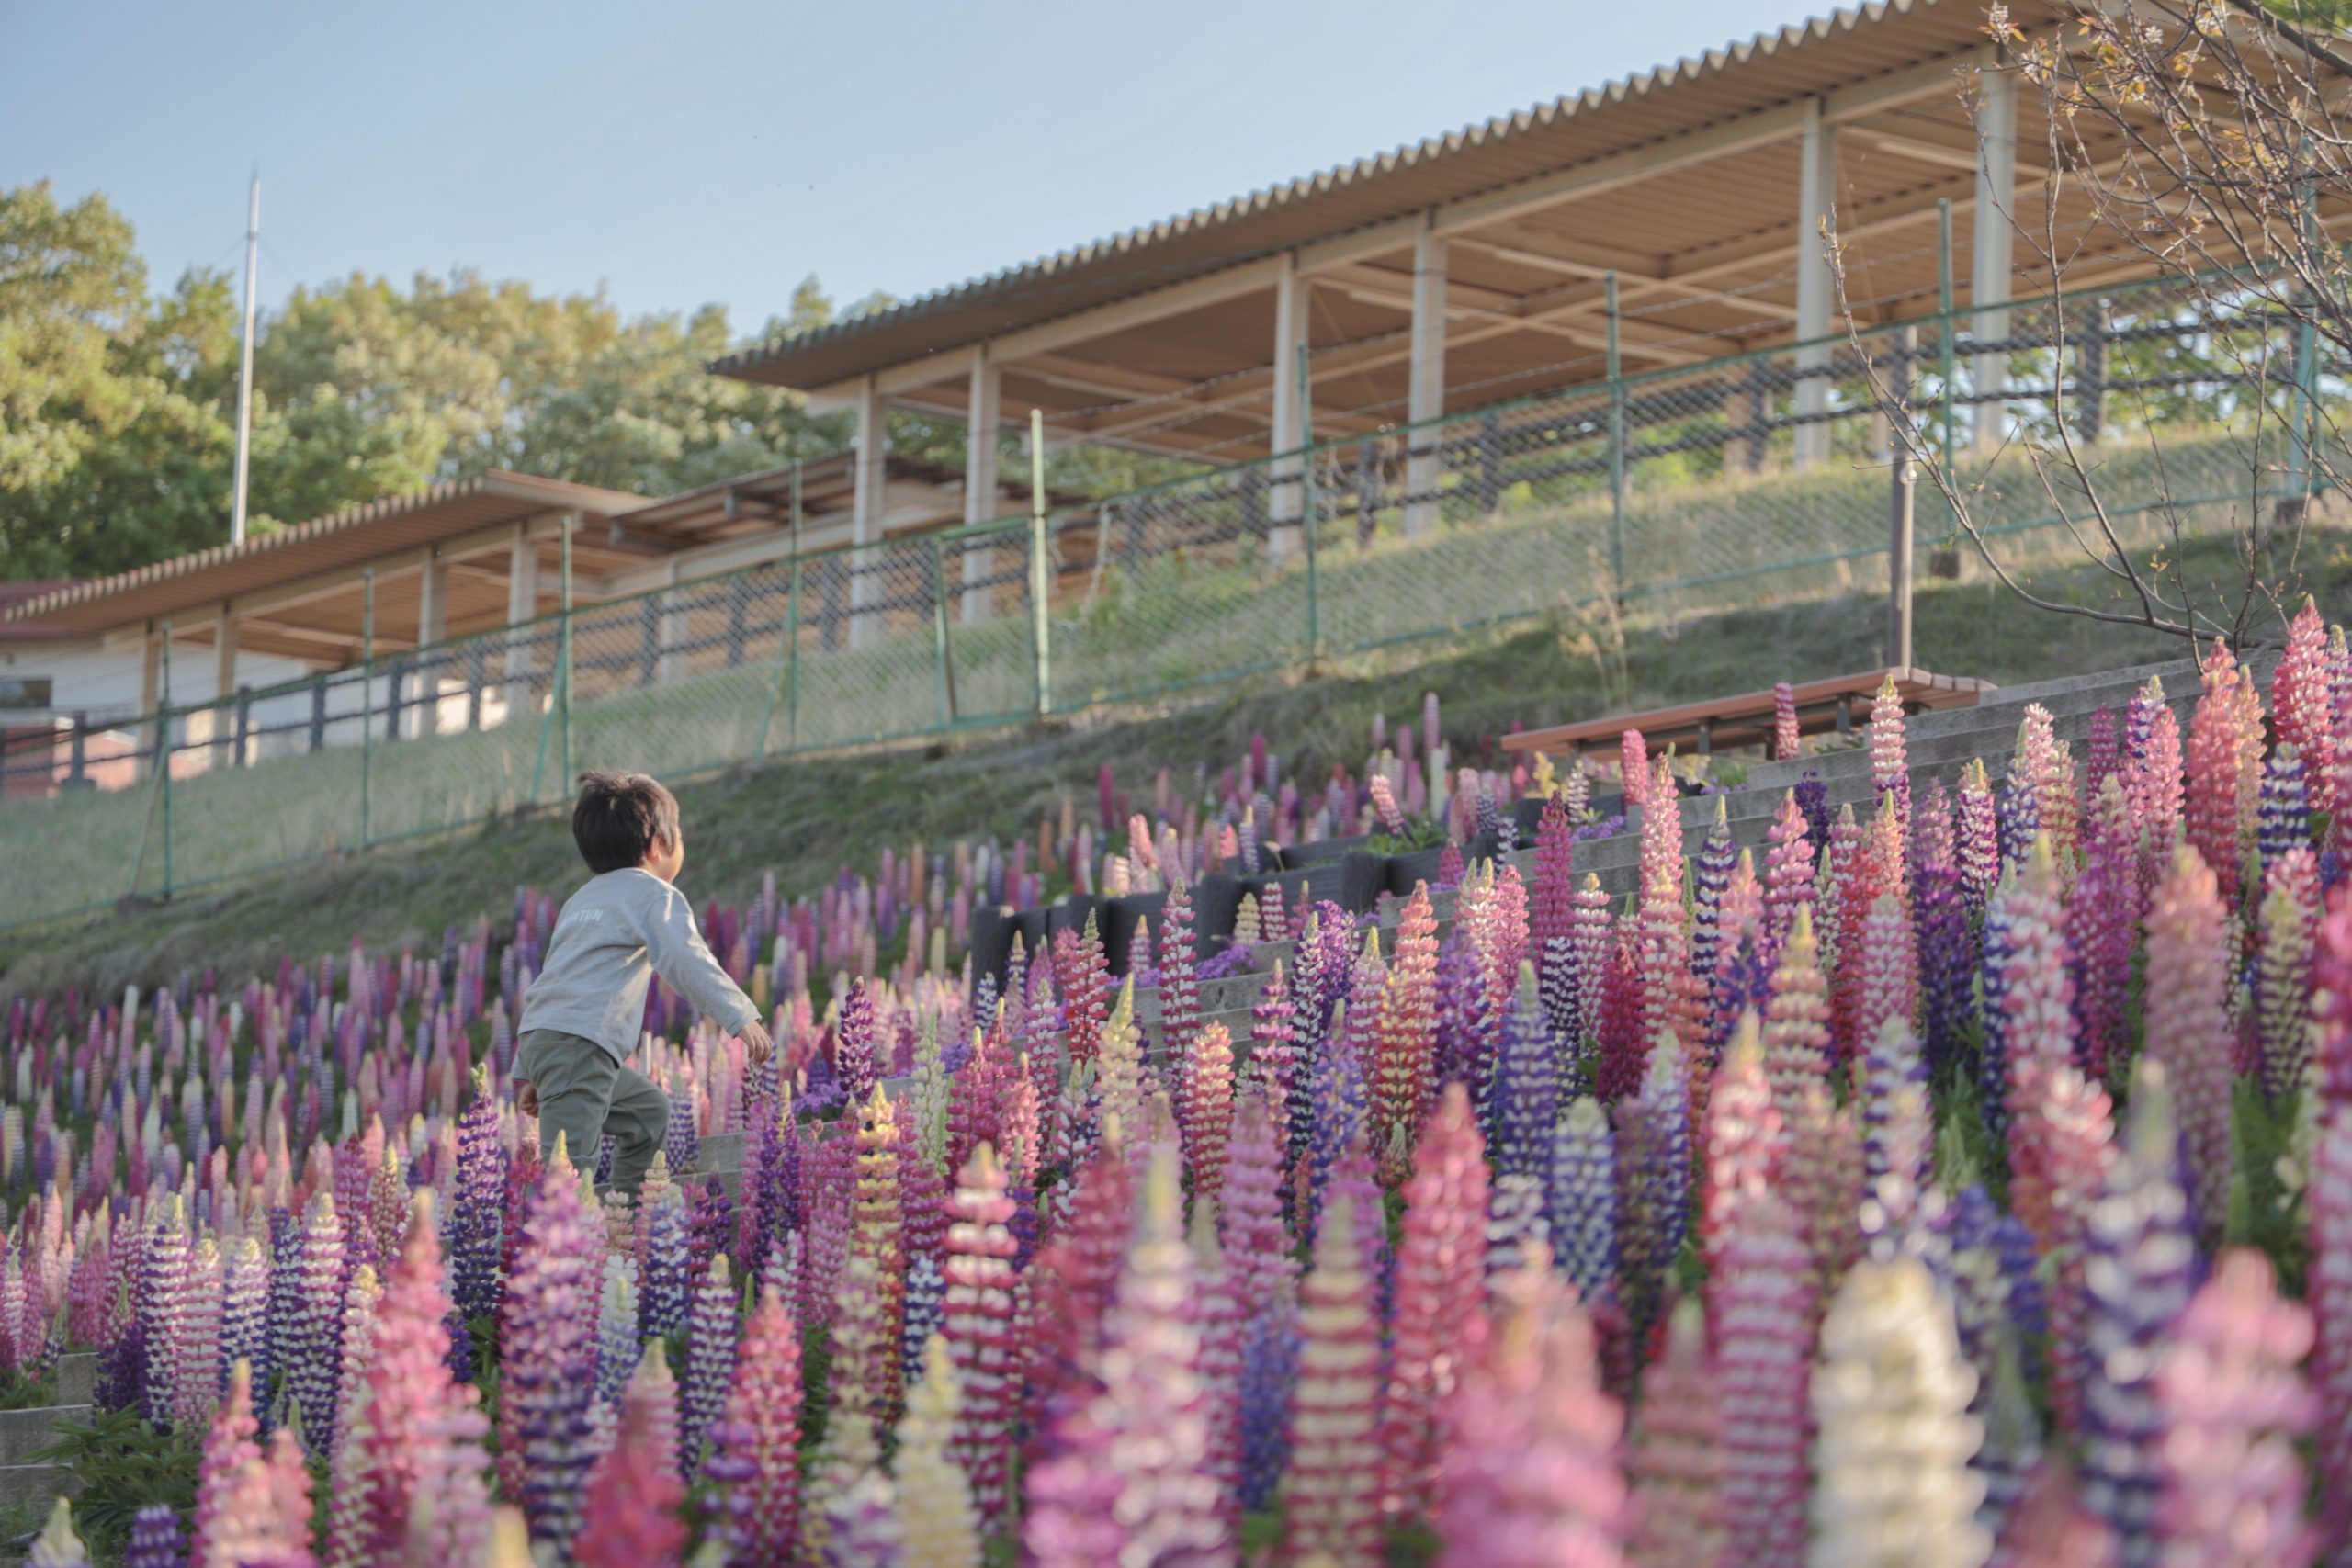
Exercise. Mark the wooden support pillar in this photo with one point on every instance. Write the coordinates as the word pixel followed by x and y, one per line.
pixel 1991 280
pixel 675 628
pixel 423 717
pixel 1289 497
pixel 1816 202
pixel 1424 468
pixel 982 415
pixel 866 514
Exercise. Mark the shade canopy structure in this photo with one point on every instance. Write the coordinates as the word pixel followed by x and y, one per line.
pixel 1476 266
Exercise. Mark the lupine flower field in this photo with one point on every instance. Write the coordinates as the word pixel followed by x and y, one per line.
pixel 1964 1179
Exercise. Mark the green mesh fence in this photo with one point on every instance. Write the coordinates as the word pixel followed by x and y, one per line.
pixel 1758 479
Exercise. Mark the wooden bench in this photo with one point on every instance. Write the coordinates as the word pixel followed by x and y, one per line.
pixel 1747 720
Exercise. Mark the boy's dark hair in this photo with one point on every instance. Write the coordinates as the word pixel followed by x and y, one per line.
pixel 618 817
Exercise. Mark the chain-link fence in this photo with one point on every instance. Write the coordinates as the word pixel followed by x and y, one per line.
pixel 1753 479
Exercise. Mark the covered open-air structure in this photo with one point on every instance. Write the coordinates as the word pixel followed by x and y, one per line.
pixel 1664 220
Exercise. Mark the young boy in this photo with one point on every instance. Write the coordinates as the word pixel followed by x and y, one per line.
pixel 584 1011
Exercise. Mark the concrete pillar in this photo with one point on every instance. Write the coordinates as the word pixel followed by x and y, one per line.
pixel 225 684
pixel 676 629
pixel 1816 198
pixel 151 665
pixel 1288 434
pixel 423 717
pixel 1991 278
pixel 982 415
pixel 866 514
pixel 1423 468
pixel 522 598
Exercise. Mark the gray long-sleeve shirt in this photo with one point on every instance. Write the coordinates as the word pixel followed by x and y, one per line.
pixel 620 930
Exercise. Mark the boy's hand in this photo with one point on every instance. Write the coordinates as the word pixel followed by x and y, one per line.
pixel 756 1043
pixel 527 1099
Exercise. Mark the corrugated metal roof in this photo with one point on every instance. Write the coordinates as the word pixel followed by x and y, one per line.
pixel 343 540
pixel 1738 79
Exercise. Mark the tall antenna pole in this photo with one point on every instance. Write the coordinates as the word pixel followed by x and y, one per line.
pixel 245 375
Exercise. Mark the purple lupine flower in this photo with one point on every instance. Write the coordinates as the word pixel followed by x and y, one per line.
pixel 1654 1182
pixel 857 1053
pixel 245 1309
pixel 1813 801
pixel 163 1276
pixel 2020 809
pixel 478 1214
pixel 1892 1065
pixel 547 1388
pixel 1941 936
pixel 2282 817
pixel 1580 1201
pixel 1465 1035
pixel 683 1145
pixel 661 1271
pixel 156 1540
pixel 2140 1272
pixel 1711 873
pixel 618 1343
pixel 314 1350
pixel 1976 847
pixel 710 1228
pixel 1990 1267
pixel 1339 1107
pixel 926 1311
pixel 710 1361
pixel 2102 913
pixel 1524 1101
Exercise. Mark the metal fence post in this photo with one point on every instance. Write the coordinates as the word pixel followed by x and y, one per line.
pixel 1307 504
pixel 1616 445
pixel 367 700
pixel 1040 626
pixel 1900 505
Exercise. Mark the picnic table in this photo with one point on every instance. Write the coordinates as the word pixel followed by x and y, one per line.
pixel 1747 720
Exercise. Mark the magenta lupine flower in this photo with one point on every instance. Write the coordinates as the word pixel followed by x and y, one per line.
pixel 1787 742
pixel 1440 1291
pixel 2141 1269
pixel 546 1387
pixel 1332 1497
pixel 2224 761
pixel 629 1519
pixel 2328 1289
pixel 1207 1123
pixel 2235 1406
pixel 1677 1458
pixel 757 1442
pixel 425 1450
pixel 1223 1326
pixel 2102 753
pixel 1977 835
pixel 2291 918
pixel 1761 1301
pixel 1788 876
pixel 2188 1031
pixel 711 1360
pixel 1534 1475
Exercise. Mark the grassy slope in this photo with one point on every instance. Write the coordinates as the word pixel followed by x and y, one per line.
pixel 806 819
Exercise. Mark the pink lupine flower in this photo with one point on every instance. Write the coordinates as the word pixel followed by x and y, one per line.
pixel 1439 1291
pixel 1677 1459
pixel 2328 1289
pixel 1788 876
pixel 1534 1473
pixel 2234 1408
pixel 1761 1301
pixel 1747 1142
pixel 761 1496
pixel 2102 910
pixel 229 1447
pixel 1208 1120
pixel 2290 919
pixel 630 1518
pixel 1796 1019
pixel 2224 769
pixel 978 1328
pixel 1405 1027
pixel 2303 708
pixel 1786 739
pixel 1889 771
pixel 1633 766
pixel 424 1426
pixel 1332 1493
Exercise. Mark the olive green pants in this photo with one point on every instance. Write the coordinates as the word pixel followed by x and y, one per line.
pixel 584 1094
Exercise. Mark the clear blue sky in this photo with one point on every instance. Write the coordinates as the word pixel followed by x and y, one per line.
pixel 699 150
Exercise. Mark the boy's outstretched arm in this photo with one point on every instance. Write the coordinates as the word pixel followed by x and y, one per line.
pixel 674 946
